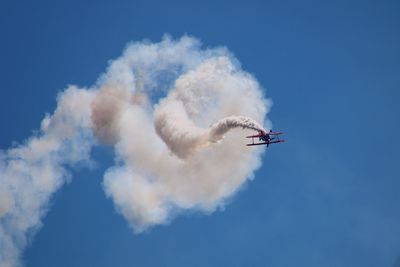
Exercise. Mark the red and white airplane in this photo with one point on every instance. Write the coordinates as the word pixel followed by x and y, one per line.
pixel 266 138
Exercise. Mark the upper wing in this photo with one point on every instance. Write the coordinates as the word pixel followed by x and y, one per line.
pixel 257 135
pixel 264 134
pixel 274 133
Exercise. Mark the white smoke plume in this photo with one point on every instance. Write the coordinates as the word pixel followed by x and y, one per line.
pixel 30 173
pixel 168 109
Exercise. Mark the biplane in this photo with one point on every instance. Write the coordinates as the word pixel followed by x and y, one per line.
pixel 265 138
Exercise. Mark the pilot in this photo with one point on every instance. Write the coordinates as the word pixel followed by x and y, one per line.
pixel 266 138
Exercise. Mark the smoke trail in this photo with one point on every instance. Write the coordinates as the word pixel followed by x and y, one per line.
pixel 167 109
pixel 30 173
pixel 169 157
pixel 185 141
pixel 202 96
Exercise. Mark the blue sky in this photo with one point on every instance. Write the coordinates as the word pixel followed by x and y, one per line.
pixel 327 197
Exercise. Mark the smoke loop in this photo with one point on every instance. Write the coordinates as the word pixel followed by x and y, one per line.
pixel 167 109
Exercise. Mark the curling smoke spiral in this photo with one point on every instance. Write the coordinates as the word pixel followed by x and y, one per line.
pixel 167 109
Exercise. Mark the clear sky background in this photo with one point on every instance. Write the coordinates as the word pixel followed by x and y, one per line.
pixel 330 196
